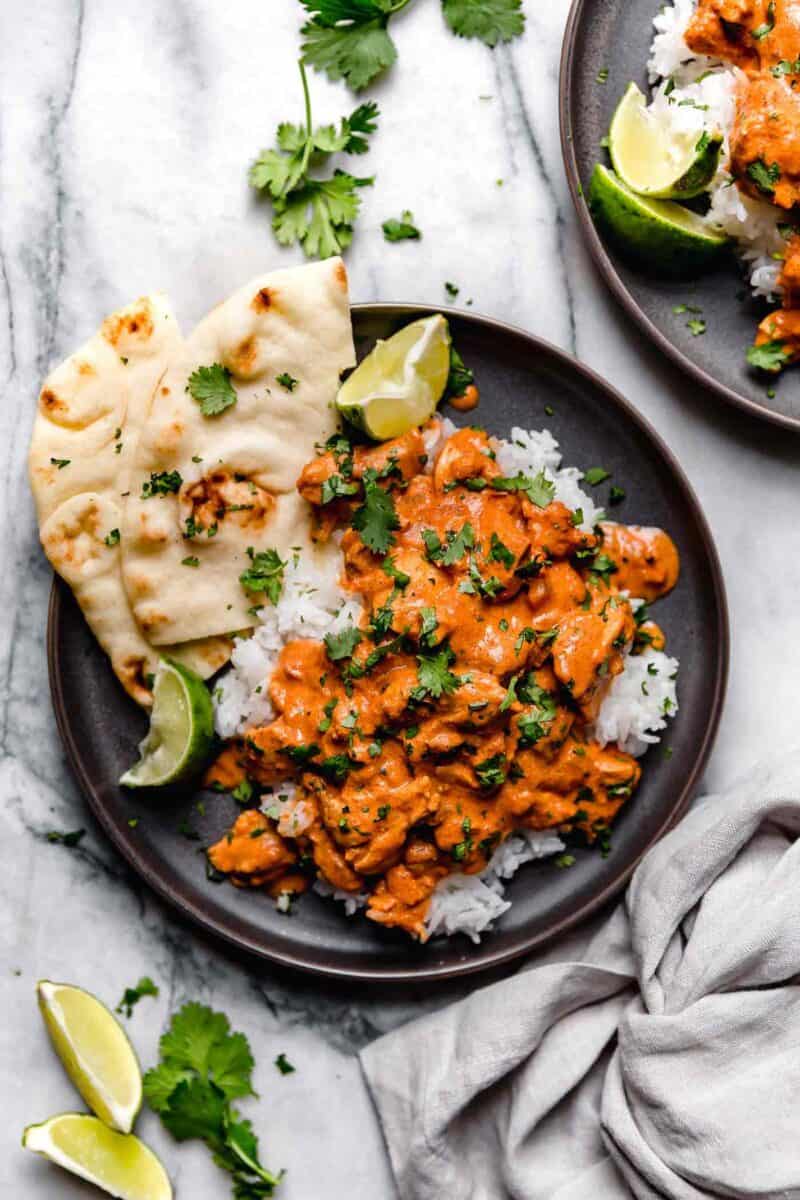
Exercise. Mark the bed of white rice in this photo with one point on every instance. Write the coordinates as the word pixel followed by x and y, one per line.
pixel 696 93
pixel 633 714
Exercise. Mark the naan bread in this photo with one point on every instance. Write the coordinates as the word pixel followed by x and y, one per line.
pixel 91 412
pixel 238 469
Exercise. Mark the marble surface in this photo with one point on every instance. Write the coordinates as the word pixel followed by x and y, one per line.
pixel 125 132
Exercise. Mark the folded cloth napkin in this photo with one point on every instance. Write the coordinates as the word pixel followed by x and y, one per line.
pixel 656 1054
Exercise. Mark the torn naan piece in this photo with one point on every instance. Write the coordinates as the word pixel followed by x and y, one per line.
pixel 91 411
pixel 205 489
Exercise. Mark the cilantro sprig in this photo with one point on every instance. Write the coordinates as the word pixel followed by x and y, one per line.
pixel 350 39
pixel 317 213
pixel 203 1067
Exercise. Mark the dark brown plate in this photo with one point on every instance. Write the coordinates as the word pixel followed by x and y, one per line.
pixel 518 376
pixel 616 34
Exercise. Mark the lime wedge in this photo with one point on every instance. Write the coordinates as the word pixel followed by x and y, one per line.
pixel 400 382
pixel 95 1052
pixel 655 159
pixel 657 233
pixel 181 732
pixel 116 1162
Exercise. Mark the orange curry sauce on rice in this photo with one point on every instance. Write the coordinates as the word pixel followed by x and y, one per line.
pixel 460 710
pixel 762 37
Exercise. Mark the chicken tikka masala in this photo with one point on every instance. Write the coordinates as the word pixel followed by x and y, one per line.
pixel 762 38
pixel 461 709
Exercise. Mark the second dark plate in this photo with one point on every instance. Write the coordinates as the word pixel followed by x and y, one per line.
pixel 615 35
pixel 519 377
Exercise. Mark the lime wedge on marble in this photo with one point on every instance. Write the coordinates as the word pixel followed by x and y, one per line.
pixel 657 233
pixel 95 1052
pixel 400 382
pixel 116 1162
pixel 181 732
pixel 654 158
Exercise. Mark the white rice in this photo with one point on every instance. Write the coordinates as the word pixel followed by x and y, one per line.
pixel 312 604
pixel 691 94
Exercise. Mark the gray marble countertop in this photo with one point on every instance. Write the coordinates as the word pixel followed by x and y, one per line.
pixel 125 132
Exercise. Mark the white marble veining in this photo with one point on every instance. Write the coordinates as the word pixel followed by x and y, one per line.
pixel 125 132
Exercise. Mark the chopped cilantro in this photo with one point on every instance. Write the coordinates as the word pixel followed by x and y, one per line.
pixel 595 475
pixel 763 30
pixel 161 483
pixel 132 995
pixel 491 773
pixel 400 578
pixel 112 538
pixel 342 645
pixel 461 376
pixel 539 489
pixel 191 561
pixel 60 462
pixel 763 176
pixel 401 230
pixel 265 574
pixel 770 356
pixel 287 381
pixel 283 1064
pixel 454 547
pixel 499 552
pixel 335 487
pixel 66 839
pixel 616 495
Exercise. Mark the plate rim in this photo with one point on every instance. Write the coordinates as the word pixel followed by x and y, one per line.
pixel 419 973
pixel 603 259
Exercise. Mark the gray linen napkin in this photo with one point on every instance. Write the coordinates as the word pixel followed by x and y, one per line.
pixel 657 1053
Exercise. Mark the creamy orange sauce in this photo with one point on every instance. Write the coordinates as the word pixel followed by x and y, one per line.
pixel 763 38
pixel 494 627
pixel 467 401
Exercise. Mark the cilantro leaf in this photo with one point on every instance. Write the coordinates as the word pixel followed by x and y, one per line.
pixel 401 230
pixel 335 488
pixel 434 677
pixel 348 39
pixel 362 122
pixel 539 489
pixel 764 177
pixel 376 518
pixel 763 30
pixel 492 21
pixel 132 995
pixel 342 645
pixel 770 356
pixel 595 475
pixel 265 574
pixel 461 376
pixel 499 552
pixel 287 381
pixel 491 772
pixel 196 1109
pixel 211 387
pixel 283 1065
pixel 454 547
